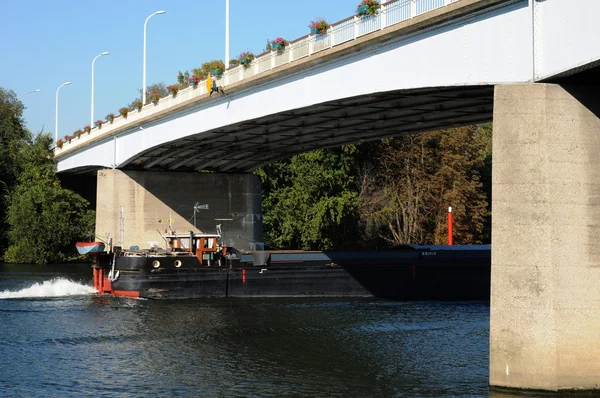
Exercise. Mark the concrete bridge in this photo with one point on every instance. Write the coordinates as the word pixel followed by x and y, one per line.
pixel 531 66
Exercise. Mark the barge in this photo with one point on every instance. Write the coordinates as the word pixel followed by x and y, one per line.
pixel 196 265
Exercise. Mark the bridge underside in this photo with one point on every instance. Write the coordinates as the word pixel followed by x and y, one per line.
pixel 252 144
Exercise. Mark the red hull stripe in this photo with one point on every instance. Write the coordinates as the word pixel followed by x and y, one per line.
pixel 85 244
pixel 126 293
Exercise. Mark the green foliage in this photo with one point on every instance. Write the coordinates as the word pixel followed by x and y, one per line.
pixel 383 193
pixel 210 66
pixel 158 88
pixel 309 201
pixel 13 138
pixel 406 194
pixel 45 219
pixel 198 72
pixel 182 78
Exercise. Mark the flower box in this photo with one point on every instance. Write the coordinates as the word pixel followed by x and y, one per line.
pixel 362 10
pixel 216 72
pixel 368 8
pixel 174 89
pixel 318 27
pixel 110 117
pixel 123 112
pixel 246 58
pixel 99 124
pixel 154 98
pixel 278 44
pixel 195 80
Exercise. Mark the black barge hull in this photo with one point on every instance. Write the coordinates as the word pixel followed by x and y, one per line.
pixel 401 275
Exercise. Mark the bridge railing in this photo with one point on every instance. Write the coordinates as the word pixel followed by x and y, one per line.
pixel 341 32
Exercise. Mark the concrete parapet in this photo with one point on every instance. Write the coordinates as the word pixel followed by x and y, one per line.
pixel 545 293
pixel 151 199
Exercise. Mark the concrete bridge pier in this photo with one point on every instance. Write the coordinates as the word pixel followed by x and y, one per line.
pixel 159 201
pixel 545 293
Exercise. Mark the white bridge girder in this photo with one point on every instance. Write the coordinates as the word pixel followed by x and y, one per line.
pixel 441 76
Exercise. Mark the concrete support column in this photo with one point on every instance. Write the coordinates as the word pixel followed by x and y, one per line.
pixel 154 200
pixel 545 293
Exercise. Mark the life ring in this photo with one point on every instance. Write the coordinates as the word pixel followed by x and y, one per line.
pixel 177 263
pixel 156 263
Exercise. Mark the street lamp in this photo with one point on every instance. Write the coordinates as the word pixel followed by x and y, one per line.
pixel 56 120
pixel 144 72
pixel 226 34
pixel 31 92
pixel 92 114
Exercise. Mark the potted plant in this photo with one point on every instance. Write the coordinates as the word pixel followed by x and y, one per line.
pixel 77 133
pixel 246 58
pixel 195 80
pixel 368 8
pixel 233 63
pixel 174 89
pixel 68 138
pixel 98 123
pixel 110 117
pixel 154 98
pixel 59 143
pixel 137 104
pixel 87 129
pixel 318 26
pixel 279 44
pixel 124 111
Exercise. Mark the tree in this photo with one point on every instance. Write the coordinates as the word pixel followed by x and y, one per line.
pixel 45 219
pixel 309 201
pixel 405 193
pixel 13 138
pixel 158 88
pixel 182 78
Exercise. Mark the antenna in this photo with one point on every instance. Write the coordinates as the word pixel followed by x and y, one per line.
pixel 197 208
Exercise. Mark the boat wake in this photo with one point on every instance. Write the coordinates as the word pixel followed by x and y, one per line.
pixel 58 287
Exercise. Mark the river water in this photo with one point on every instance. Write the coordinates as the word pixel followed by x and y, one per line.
pixel 56 339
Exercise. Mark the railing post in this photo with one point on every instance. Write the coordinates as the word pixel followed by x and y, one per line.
pixel 273 59
pixel 330 33
pixel 311 45
pixel 413 8
pixel 383 18
pixel 291 53
pixel 356 20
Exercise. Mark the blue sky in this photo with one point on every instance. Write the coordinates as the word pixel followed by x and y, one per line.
pixel 46 43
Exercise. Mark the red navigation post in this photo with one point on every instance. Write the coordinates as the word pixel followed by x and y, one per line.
pixel 450 226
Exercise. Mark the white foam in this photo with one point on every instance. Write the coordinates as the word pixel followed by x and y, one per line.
pixel 58 287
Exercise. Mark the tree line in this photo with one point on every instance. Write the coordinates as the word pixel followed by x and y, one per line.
pixel 379 194
pixel 40 221
pixel 370 195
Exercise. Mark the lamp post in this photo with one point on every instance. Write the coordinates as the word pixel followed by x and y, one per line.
pixel 31 92
pixel 94 61
pixel 56 120
pixel 226 34
pixel 144 72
